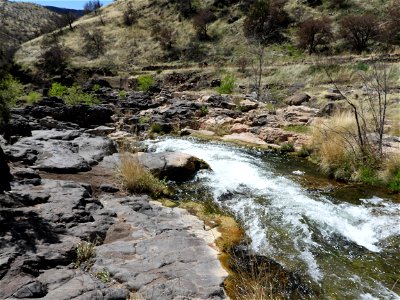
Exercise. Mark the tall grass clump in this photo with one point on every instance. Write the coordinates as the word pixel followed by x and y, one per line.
pixel 145 82
pixel 136 178
pixel 338 154
pixel 85 253
pixel 227 85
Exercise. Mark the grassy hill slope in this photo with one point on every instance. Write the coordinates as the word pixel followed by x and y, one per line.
pixel 129 47
pixel 20 22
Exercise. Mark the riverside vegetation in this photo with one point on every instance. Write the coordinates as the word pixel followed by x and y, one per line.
pixel 302 85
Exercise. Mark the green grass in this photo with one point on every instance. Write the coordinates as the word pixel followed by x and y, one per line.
pixel 57 90
pixel 297 128
pixel 227 85
pixel 32 97
pixel 145 82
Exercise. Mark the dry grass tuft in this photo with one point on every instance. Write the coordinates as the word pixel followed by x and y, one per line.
pixel 137 178
pixel 333 140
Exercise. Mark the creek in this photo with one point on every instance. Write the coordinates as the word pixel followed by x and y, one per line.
pixel 343 239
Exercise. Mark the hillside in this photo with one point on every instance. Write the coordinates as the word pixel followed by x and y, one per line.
pixel 20 22
pixel 161 33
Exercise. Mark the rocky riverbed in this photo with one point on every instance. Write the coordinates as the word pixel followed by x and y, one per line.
pixel 58 171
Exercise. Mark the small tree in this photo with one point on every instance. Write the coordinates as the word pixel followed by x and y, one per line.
pixel 70 18
pixel 130 15
pixel 391 26
pixel 164 34
pixel 93 42
pixel 53 57
pixel 201 21
pixel 185 8
pixel 314 32
pixel 359 30
pixel 265 20
pixel 94 6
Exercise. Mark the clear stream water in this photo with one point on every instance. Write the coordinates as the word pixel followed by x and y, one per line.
pixel 345 244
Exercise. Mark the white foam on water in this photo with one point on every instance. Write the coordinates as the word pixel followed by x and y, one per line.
pixel 235 171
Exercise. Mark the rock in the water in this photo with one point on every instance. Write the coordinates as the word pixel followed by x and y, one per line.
pixel 5 175
pixel 297 99
pixel 172 165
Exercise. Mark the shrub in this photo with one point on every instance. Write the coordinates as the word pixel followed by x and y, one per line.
pixel 75 96
pixel 72 95
pixel 145 82
pixel 85 253
pixel 130 15
pixel 227 85
pixel 103 275
pixel 32 97
pixel 122 94
pixel 287 147
pixel 391 28
pixel 201 21
pixel 137 178
pixel 265 20
pixel 359 30
pixel 313 33
pixel 203 111
pixel 10 90
pixel 93 42
pixel 57 90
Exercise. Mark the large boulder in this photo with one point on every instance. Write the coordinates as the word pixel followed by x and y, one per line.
pixel 297 99
pixel 5 176
pixel 18 126
pixel 172 165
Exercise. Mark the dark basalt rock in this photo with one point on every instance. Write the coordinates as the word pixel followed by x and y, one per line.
pixel 18 126
pixel 5 175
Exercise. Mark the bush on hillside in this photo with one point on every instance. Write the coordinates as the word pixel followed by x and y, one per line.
pixel 72 95
pixel 53 57
pixel 265 21
pixel 359 31
pixel 313 33
pixel 130 16
pixel 391 28
pixel 201 21
pixel 93 42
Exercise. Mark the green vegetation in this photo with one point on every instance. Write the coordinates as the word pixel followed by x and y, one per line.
pixel 156 128
pixel 103 275
pixel 57 90
pixel 145 82
pixel 286 147
pixel 122 94
pixel 96 87
pixel 85 253
pixel 10 90
pixel 32 97
pixel 203 111
pixel 137 178
pixel 297 128
pixel 72 95
pixel 227 85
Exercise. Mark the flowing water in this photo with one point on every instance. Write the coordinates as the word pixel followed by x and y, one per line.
pixel 344 243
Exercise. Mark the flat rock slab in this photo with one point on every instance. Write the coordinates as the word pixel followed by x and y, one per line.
pixel 163 253
pixel 65 151
pixel 245 137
